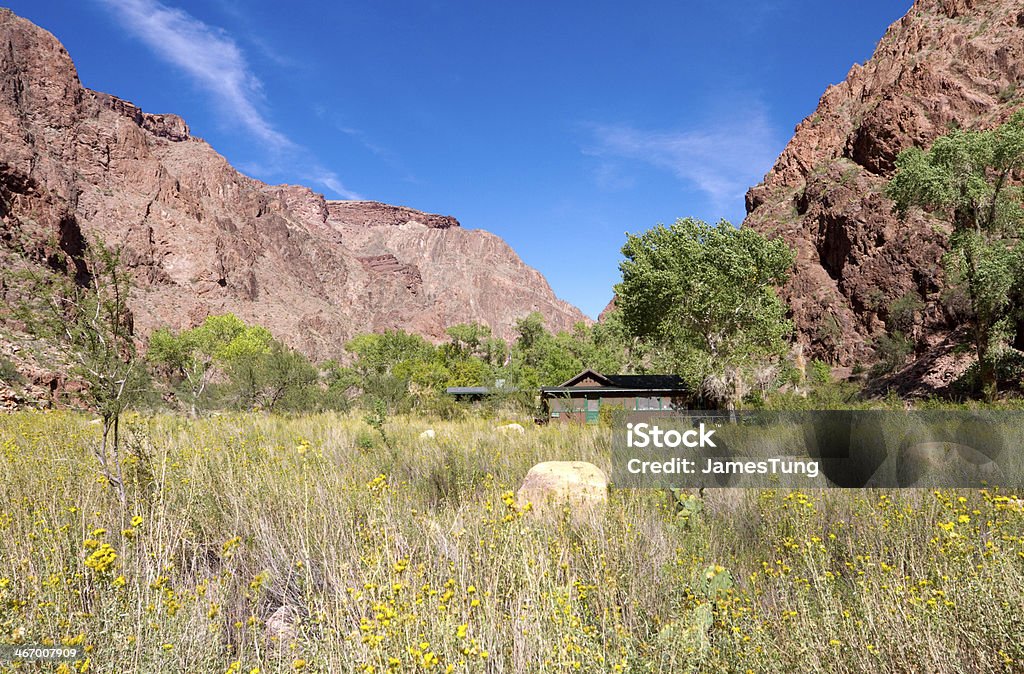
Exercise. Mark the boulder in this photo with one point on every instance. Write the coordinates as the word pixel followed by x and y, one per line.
pixel 552 484
pixel 282 625
pixel 511 428
pixel 428 434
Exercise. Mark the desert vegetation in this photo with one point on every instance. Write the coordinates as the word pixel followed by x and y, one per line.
pixel 252 542
pixel 208 498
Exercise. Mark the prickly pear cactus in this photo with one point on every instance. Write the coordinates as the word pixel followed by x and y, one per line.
pixel 716 579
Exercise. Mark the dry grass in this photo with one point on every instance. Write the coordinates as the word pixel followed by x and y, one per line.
pixel 420 558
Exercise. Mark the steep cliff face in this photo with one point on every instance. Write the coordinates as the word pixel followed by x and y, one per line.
pixel 201 238
pixel 946 63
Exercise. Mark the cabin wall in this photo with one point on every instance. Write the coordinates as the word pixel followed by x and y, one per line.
pixel 572 407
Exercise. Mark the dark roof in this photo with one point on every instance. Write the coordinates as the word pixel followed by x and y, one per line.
pixel 468 390
pixel 653 381
pixel 621 382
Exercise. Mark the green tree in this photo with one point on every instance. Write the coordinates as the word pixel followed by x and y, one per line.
pixel 703 297
pixel 536 359
pixel 89 320
pixel 632 353
pixel 540 358
pixel 340 382
pixel 242 360
pixel 530 330
pixel 967 179
pixel 474 340
pixel 595 346
pixel 378 353
pixel 220 343
pixel 385 364
pixel 470 372
pixel 287 380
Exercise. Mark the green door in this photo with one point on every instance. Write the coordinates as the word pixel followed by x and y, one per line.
pixel 593 409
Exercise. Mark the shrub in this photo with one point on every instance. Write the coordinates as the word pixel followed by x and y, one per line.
pixel 903 312
pixel 892 351
pixel 9 372
pixel 365 440
pixel 443 406
pixel 820 372
pixel 829 333
pixel 1009 369
pixel 611 416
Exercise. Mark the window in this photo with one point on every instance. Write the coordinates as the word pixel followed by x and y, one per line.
pixel 575 405
pixel 647 404
pixel 567 405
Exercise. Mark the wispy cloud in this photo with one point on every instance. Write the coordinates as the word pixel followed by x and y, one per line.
pixel 363 140
pixel 207 54
pixel 609 177
pixel 331 181
pixel 721 159
pixel 313 175
pixel 390 159
pixel 215 62
pixel 242 15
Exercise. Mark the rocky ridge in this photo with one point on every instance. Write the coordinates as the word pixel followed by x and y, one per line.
pixel 201 238
pixel 946 63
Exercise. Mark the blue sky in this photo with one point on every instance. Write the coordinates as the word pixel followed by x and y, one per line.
pixel 557 125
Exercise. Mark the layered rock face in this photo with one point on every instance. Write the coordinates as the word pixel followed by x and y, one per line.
pixel 946 63
pixel 200 238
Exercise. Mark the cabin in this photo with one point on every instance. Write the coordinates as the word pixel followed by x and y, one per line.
pixel 581 398
pixel 468 393
pixel 477 393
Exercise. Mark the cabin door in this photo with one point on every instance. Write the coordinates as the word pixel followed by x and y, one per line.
pixel 593 409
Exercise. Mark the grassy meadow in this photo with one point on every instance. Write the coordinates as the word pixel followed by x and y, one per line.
pixel 418 557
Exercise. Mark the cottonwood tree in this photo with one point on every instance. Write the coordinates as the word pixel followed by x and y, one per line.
pixel 384 361
pixel 88 319
pixel 967 178
pixel 222 344
pixel 474 340
pixel 287 380
pixel 540 358
pixel 702 297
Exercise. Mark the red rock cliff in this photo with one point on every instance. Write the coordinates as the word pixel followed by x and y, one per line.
pixel 947 62
pixel 201 238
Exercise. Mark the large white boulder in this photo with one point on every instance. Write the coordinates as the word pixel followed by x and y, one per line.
pixel 428 434
pixel 554 484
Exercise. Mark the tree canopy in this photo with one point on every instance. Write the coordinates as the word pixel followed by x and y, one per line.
pixel 702 297
pixel 966 178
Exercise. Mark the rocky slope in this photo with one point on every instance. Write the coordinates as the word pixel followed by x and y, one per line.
pixel 201 238
pixel 947 62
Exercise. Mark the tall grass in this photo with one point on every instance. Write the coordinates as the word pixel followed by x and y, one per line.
pixel 419 558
